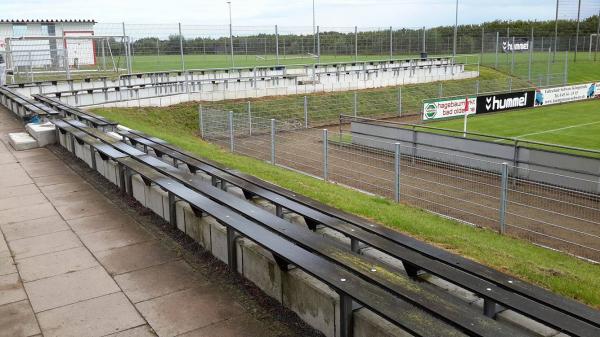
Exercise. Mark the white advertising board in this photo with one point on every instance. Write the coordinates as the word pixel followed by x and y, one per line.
pixel 565 94
pixel 449 107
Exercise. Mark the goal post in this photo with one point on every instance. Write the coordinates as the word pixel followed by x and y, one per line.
pixel 77 52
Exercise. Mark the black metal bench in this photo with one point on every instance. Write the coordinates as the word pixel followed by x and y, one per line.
pixel 91 119
pixel 420 309
pixel 495 287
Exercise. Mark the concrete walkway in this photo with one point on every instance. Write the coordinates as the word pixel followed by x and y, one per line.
pixel 72 264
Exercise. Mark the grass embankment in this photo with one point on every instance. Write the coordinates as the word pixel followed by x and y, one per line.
pixel 558 272
pixel 324 108
pixel 571 124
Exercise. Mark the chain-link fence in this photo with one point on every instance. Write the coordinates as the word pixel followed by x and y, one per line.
pixel 394 101
pixel 481 192
pixel 520 48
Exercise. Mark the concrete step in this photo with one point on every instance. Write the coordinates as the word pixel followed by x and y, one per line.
pixel 22 141
pixel 44 133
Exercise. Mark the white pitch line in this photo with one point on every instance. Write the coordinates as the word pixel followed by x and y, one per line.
pixel 559 129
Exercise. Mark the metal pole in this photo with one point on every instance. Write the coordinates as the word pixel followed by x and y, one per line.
pixel 400 102
pixel 503 197
pixel 126 49
pixel 391 43
pixel 566 74
pixel 273 141
pixel 440 90
pixel 231 140
pixel 181 48
pixel 477 87
pixel 201 121
pixel 555 31
pixel 530 55
pixel 465 124
pixel 548 71
pixel 577 32
pixel 325 154
pixel 249 118
pixel 455 34
pixel 597 38
pixel 276 44
pixel 482 40
pixel 355 43
pixel 305 112
pixel 355 104
pixel 512 61
pixel 424 36
pixel 66 51
pixel 231 35
pixel 314 31
pixel 318 46
pixel 397 173
pixel 497 41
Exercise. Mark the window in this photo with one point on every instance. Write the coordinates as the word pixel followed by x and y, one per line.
pixel 19 30
pixel 48 29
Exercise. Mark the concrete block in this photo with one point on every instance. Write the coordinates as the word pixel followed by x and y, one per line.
pixel 112 172
pixel 78 150
pixel 22 141
pixel 526 324
pixel 180 214
pixel 64 141
pixel 313 301
pixel 258 266
pixel 87 155
pixel 218 241
pixel 369 324
pixel 156 199
pixel 139 189
pixel 198 228
pixel 101 166
pixel 44 133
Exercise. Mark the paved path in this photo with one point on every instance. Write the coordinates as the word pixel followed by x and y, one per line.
pixel 72 264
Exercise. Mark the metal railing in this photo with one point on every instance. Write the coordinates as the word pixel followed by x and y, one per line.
pixel 487 196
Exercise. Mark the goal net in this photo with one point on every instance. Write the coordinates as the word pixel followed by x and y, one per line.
pixel 74 54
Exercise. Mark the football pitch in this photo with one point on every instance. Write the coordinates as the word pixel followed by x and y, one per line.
pixel 570 124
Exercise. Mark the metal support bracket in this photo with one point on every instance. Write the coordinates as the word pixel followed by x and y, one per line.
pixel 490 308
pixel 231 250
pixel 311 224
pixel 279 211
pixel 93 157
pixel 172 210
pixel 346 320
pixel 283 264
pixel 411 269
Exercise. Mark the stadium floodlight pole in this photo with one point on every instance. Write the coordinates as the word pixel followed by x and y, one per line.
pixel 577 31
pixel 555 32
pixel 231 35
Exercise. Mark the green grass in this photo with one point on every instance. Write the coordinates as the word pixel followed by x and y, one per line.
pixel 558 272
pixel 324 108
pixel 573 124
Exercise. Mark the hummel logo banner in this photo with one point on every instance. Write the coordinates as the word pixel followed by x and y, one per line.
pixel 503 102
pixel 518 44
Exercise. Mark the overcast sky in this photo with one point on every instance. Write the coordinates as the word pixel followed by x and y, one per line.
pixel 330 13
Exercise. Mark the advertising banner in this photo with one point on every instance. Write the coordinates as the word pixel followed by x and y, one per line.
pixel 517 44
pixel 564 94
pixel 449 107
pixel 503 102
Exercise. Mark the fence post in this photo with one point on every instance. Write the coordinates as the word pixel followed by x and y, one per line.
pixel 305 112
pixel 510 80
pixel 181 48
pixel 273 141
pixel 477 87
pixel 530 55
pixel 231 140
pixel 249 118
pixel 391 43
pixel 482 40
pixel 503 197
pixel 497 41
pixel 276 45
pixel 126 49
pixel 397 173
pixel 440 90
pixel 318 45
pixel 566 75
pixel 512 57
pixel 400 102
pixel 548 71
pixel 325 154
pixel 355 43
pixel 201 121
pixel 355 104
